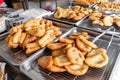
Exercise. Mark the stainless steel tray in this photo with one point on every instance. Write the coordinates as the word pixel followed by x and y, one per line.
pixel 87 24
pixel 84 5
pixel 17 56
pixel 67 21
pixel 32 70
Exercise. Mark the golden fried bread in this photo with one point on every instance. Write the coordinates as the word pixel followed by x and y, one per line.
pixel 77 70
pixel 38 31
pixel 73 55
pixel 17 36
pixel 96 51
pixel 29 24
pixel 22 37
pixel 58 52
pixel 82 46
pixel 55 46
pixel 45 61
pixel 85 34
pixel 54 68
pixel 31 50
pixel 108 21
pixel 11 43
pixel 97 61
pixel 99 22
pixel 66 40
pixel 87 42
pixel 61 61
pixel 31 45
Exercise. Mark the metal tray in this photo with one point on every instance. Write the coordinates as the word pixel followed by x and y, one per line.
pixel 84 5
pixel 87 24
pixel 67 21
pixel 35 72
pixel 17 56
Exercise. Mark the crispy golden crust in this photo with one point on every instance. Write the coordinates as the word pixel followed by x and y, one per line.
pixel 76 18
pixel 82 46
pixel 96 51
pixel 58 52
pixel 97 61
pixel 73 55
pixel 54 68
pixel 31 45
pixel 108 21
pixel 58 13
pixel 66 40
pixel 61 61
pixel 87 42
pixel 31 50
pixel 77 70
pixel 86 35
pixel 38 31
pixel 99 22
pixel 22 37
pixel 45 61
pixel 17 36
pixel 55 46
pixel 11 44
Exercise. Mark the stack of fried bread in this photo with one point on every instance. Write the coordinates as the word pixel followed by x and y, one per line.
pixel 74 54
pixel 87 2
pixel 104 20
pixel 32 35
pixel 75 14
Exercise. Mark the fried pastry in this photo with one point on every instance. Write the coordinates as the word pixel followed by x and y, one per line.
pixel 82 46
pixel 47 41
pixel 45 38
pixel 108 21
pixel 73 55
pixel 87 42
pixel 54 68
pixel 45 61
pixel 55 46
pixel 94 18
pixel 58 13
pixel 61 61
pixel 31 50
pixel 31 23
pixel 77 70
pixel 31 45
pixel 38 31
pixel 97 61
pixel 86 35
pixel 22 37
pixel 76 8
pixel 66 40
pixel 99 22
pixel 11 44
pixel 58 52
pixel 76 18
pixel 96 51
pixel 17 36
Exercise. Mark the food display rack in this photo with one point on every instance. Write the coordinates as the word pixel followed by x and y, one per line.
pixel 30 67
